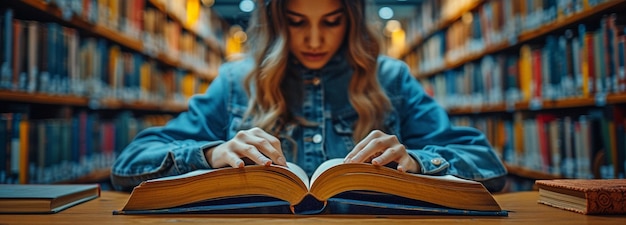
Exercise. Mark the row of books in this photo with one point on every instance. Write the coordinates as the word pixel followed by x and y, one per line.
pixel 588 145
pixel 63 149
pixel 52 59
pixel 135 18
pixel 431 13
pixel 158 35
pixel 162 35
pixel 194 17
pixel 478 32
pixel 586 62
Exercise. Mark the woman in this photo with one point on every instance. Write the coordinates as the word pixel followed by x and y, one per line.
pixel 313 87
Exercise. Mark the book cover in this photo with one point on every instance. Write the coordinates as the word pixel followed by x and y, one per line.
pixel 335 188
pixel 44 198
pixel 586 196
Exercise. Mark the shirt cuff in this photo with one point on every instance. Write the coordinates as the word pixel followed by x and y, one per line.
pixel 191 157
pixel 430 163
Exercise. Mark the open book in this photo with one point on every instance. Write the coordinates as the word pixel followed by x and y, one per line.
pixel 335 187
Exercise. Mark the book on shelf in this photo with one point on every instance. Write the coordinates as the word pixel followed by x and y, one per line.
pixel 585 196
pixel 44 198
pixel 334 188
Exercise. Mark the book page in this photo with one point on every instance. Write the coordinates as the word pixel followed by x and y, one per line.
pixel 300 173
pixel 189 174
pixel 449 178
pixel 323 167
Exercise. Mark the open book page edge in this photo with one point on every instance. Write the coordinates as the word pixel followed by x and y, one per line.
pixel 291 167
pixel 189 174
pixel 323 167
pixel 338 161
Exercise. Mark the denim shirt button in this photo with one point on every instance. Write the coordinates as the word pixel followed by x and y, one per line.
pixel 317 138
pixel 436 161
pixel 316 81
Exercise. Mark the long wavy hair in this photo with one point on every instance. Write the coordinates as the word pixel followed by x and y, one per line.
pixel 268 45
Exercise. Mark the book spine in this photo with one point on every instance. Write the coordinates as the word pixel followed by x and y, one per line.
pixel 24 150
pixel 7 35
pixel 622 63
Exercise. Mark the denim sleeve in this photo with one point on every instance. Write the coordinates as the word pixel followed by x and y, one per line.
pixel 178 147
pixel 437 145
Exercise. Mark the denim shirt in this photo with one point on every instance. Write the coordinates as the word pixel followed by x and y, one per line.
pixel 321 97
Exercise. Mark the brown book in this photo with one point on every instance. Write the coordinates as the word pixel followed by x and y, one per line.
pixel 335 188
pixel 586 196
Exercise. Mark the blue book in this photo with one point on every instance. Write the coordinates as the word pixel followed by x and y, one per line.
pixel 6 72
pixel 334 188
pixel 621 59
pixel 44 198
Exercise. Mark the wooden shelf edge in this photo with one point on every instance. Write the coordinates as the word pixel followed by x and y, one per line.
pixel 168 106
pixel 532 174
pixel 118 38
pixel 27 97
pixel 70 100
pixel 479 109
pixel 576 102
pixel 93 177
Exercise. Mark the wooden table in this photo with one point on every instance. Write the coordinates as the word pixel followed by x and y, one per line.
pixel 523 208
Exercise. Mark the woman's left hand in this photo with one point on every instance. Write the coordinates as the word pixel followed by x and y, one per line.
pixel 380 148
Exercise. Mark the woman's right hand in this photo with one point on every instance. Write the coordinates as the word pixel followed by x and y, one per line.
pixel 254 144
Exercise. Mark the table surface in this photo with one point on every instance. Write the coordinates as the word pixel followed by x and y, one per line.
pixel 522 206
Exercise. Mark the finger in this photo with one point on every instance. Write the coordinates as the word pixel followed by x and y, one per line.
pixel 360 146
pixel 269 145
pixel 408 164
pixel 373 148
pixel 357 148
pixel 234 160
pixel 221 156
pixel 252 153
pixel 247 144
pixel 389 155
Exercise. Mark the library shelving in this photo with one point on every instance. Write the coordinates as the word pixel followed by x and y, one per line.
pixel 80 78
pixel 544 80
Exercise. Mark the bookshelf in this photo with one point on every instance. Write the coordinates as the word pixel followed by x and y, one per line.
pixel 542 79
pixel 80 78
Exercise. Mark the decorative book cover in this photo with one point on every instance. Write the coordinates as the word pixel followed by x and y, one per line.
pixel 586 196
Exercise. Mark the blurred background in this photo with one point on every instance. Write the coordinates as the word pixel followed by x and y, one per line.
pixel 544 80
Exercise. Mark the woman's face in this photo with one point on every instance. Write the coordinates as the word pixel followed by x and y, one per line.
pixel 316 30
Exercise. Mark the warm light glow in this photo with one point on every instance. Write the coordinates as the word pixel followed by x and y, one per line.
pixel 398 43
pixel 208 3
pixel 193 12
pixel 241 36
pixel 467 18
pixel 234 42
pixel 393 25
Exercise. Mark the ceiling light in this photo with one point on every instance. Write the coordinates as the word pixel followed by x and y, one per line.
pixel 385 13
pixel 246 5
